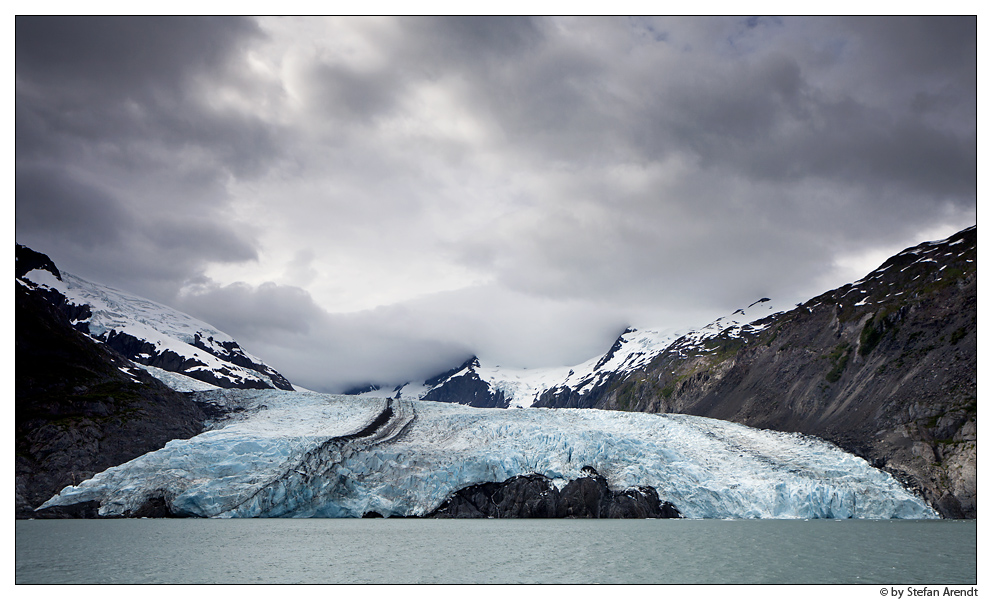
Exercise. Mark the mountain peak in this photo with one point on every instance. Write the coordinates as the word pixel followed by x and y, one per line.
pixel 471 363
pixel 27 260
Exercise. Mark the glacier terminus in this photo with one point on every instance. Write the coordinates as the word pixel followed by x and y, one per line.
pixel 275 453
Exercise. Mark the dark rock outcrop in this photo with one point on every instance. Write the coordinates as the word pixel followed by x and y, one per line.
pixel 231 352
pixel 534 497
pixel 27 260
pixel 464 386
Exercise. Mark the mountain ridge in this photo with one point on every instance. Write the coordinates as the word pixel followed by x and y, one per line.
pixel 885 367
pixel 481 385
pixel 146 332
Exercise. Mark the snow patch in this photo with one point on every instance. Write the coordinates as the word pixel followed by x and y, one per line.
pixel 177 381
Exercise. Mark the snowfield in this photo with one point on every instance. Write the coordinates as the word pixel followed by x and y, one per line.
pixel 165 328
pixel 304 454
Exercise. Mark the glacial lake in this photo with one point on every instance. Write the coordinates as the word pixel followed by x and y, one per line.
pixel 411 551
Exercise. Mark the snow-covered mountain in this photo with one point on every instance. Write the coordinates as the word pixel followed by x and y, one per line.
pixel 298 454
pixel 492 386
pixel 885 367
pixel 170 344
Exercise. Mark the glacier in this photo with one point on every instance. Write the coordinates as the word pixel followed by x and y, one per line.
pixel 304 454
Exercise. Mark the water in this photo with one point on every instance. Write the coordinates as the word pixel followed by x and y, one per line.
pixel 495 551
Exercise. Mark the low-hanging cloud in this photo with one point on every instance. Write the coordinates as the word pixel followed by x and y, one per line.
pixel 404 342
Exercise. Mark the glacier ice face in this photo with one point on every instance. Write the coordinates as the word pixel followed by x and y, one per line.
pixel 292 454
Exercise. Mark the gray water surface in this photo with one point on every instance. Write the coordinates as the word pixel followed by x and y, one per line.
pixel 495 551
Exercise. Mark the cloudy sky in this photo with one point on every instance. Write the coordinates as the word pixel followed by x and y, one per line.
pixel 361 200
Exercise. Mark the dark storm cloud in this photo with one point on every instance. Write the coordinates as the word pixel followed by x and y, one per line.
pixel 53 202
pixel 477 39
pixel 905 46
pixel 199 239
pixel 72 218
pixel 430 48
pixel 340 92
pixel 122 158
pixel 146 247
pixel 61 203
pixel 110 57
pixel 551 98
pixel 491 184
pixel 123 81
pixel 810 124
pixel 766 121
pixel 766 103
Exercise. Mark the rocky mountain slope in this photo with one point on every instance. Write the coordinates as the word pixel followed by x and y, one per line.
pixel 885 367
pixel 146 332
pixel 80 407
